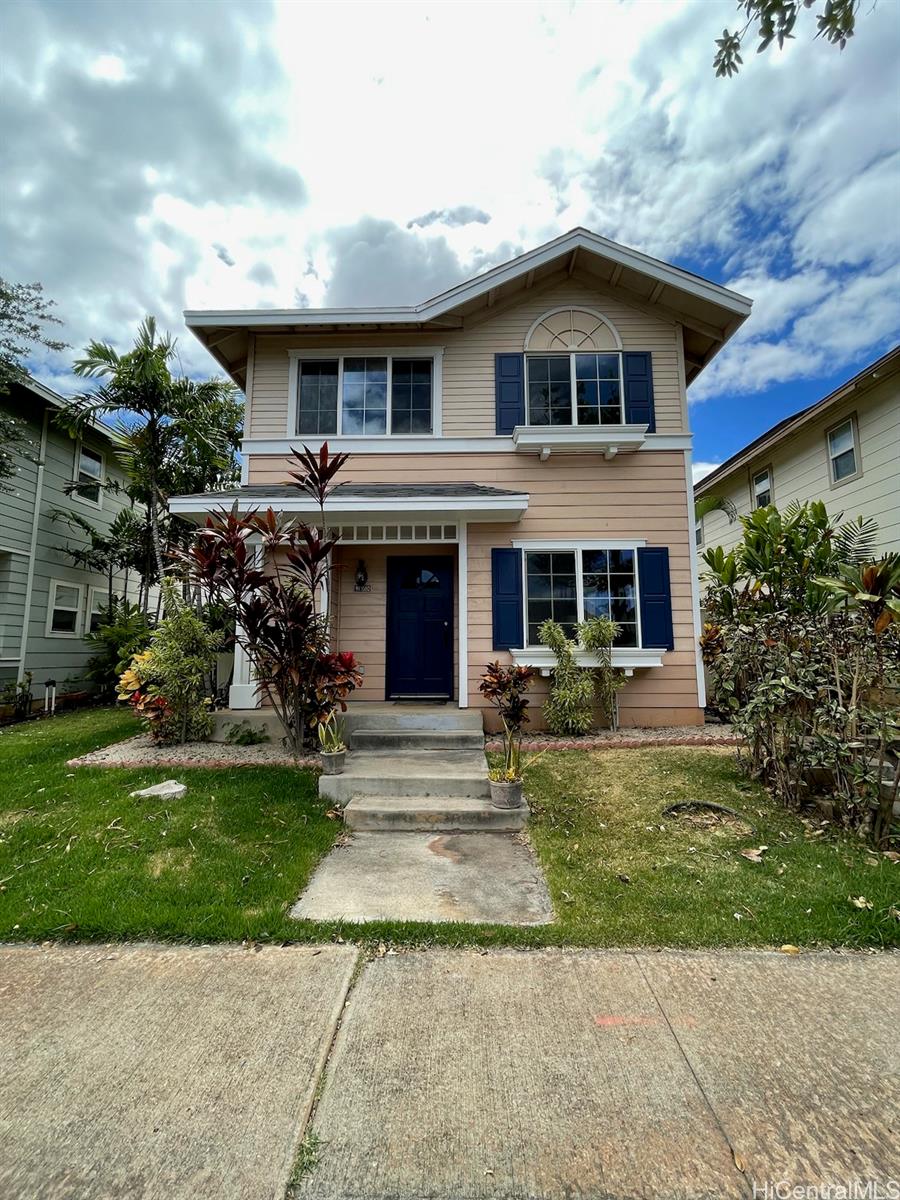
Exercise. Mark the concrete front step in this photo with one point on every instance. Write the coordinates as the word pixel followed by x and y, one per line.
pixel 444 773
pixel 394 740
pixel 410 814
pixel 412 716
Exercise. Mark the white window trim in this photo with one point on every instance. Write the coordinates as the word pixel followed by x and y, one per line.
pixel 55 585
pixel 593 312
pixel 698 532
pixel 574 423
pixel 850 420
pixel 577 548
pixel 79 447
pixel 94 591
pixel 435 353
pixel 770 486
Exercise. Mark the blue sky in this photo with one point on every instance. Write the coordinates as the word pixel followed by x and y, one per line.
pixel 241 153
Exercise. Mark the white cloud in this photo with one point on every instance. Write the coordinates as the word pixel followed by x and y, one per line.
pixel 350 159
pixel 700 470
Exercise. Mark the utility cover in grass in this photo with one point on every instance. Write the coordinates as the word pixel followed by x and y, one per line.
pixel 492 878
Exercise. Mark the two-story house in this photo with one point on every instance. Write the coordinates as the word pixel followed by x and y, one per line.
pixel 843 450
pixel 519 450
pixel 48 602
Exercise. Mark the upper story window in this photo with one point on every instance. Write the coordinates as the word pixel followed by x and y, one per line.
pixel 762 488
pixel 88 474
pixel 843 451
pixel 698 532
pixel 573 365
pixel 365 395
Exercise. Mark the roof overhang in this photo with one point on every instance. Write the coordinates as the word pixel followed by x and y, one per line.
pixel 708 312
pixel 871 375
pixel 510 506
pixel 54 400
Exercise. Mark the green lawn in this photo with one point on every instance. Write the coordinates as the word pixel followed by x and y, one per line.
pixel 79 859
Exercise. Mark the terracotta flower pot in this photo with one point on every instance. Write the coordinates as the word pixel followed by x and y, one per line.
pixel 506 795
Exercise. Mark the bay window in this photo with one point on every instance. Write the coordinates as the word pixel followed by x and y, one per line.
pixel 575 389
pixel 569 586
pixel 371 395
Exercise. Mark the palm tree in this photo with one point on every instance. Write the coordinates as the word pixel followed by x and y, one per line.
pixel 708 504
pixel 154 414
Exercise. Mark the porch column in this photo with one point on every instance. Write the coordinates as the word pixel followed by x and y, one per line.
pixel 462 575
pixel 243 693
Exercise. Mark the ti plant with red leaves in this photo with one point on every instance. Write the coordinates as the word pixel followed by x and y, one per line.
pixel 277 613
pixel 505 688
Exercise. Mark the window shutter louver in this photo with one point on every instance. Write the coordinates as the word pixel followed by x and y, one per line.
pixel 509 391
pixel 655 597
pixel 506 598
pixel 637 371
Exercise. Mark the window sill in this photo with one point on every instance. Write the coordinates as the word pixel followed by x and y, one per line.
pixel 608 440
pixel 629 659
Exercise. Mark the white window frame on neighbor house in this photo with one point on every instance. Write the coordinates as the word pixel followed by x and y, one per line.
pixel 80 451
pixel 756 491
pixel 296 357
pixel 52 607
pixel 97 598
pixel 698 532
pixel 578 548
pixel 850 420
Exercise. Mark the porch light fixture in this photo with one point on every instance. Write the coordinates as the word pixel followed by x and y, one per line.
pixel 362 578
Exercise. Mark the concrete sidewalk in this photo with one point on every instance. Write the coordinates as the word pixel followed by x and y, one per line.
pixel 454 1075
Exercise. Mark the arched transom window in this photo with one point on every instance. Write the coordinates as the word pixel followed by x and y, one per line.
pixel 573 364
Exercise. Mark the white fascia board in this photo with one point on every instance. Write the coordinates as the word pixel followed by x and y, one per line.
pixel 445 302
pixel 510 508
pixel 412 444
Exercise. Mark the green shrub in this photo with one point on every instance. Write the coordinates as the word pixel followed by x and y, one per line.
pixel 244 734
pixel 597 635
pixel 124 631
pixel 570 706
pixel 168 684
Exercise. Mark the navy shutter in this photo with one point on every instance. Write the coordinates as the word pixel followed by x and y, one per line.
pixel 509 391
pixel 506 598
pixel 655 597
pixel 637 371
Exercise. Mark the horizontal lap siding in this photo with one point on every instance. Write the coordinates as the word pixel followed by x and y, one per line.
pixel 640 496
pixel 468 363
pixel 801 472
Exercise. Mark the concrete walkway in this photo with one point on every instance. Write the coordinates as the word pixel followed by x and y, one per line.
pixel 545 1075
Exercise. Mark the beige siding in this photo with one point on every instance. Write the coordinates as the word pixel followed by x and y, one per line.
pixel 639 495
pixel 800 470
pixel 468 364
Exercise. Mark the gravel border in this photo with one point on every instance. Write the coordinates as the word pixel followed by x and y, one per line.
pixel 631 739
pixel 140 751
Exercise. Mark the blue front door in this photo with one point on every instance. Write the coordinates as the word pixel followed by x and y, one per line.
pixel 420 627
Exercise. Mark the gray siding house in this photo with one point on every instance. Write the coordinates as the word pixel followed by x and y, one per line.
pixel 47 603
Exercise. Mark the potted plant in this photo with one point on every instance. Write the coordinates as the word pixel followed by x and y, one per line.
pixel 505 688
pixel 334 750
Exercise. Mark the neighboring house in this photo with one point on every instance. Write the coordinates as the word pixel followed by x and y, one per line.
pixel 519 450
pixel 843 450
pixel 47 603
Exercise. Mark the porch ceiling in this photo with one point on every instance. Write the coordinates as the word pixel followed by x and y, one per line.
pixel 369 502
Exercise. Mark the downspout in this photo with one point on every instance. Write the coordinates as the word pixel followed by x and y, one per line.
pixel 35 523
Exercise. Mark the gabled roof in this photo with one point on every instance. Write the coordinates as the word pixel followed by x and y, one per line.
pixel 48 396
pixel 874 373
pixel 709 312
